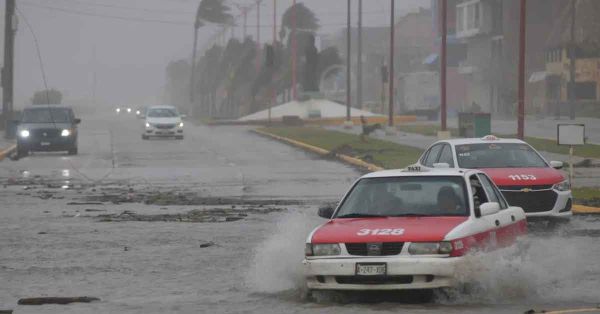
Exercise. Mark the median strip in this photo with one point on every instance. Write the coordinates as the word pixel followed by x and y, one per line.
pixel 375 155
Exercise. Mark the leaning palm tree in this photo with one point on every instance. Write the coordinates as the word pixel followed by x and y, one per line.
pixel 209 11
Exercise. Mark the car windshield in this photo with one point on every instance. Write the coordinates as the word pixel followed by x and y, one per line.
pixel 406 196
pixel 162 113
pixel 46 115
pixel 498 155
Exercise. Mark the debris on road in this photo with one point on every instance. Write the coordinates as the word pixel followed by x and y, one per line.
pixel 196 215
pixel 207 244
pixel 56 300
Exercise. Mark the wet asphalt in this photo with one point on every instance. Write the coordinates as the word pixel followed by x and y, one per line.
pixel 71 226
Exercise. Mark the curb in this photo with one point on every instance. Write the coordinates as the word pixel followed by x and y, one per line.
pixel 585 210
pixel 7 151
pixel 323 152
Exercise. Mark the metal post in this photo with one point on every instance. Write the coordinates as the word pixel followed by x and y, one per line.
pixel 521 109
pixel 391 69
pixel 258 36
pixel 294 52
pixel 8 69
pixel 443 60
pixel 348 62
pixel 359 87
pixel 193 74
pixel 573 62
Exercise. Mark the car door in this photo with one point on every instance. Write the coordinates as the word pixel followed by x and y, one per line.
pixel 489 238
pixel 507 220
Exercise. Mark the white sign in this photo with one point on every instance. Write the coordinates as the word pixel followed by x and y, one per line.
pixel 571 134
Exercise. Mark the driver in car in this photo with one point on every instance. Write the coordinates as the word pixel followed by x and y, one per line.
pixel 448 202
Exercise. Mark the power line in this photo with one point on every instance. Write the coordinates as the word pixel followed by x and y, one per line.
pixel 122 18
pixel 95 4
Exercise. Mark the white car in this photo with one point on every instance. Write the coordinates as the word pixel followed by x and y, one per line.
pixel 525 178
pixel 163 121
pixel 409 229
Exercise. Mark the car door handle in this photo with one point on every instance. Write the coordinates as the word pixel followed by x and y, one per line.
pixel 497 223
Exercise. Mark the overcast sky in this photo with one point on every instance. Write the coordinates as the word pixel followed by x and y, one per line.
pixel 128 43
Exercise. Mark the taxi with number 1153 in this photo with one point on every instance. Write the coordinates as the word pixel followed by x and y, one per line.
pixel 408 229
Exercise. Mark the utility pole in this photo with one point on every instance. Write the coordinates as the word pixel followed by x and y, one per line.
pixel 359 70
pixel 521 109
pixel 348 63
pixel 197 25
pixel 443 59
pixel 10 28
pixel 294 52
pixel 273 80
pixel 572 64
pixel 391 70
pixel 258 36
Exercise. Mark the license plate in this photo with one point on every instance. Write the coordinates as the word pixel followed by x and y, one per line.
pixel 371 269
pixel 45 143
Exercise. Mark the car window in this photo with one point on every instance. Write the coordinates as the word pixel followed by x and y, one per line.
pixel 45 114
pixel 498 155
pixel 162 113
pixel 446 156
pixel 492 191
pixel 479 195
pixel 401 196
pixel 433 155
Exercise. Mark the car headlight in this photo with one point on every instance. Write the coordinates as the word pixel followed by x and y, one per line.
pixel 322 249
pixel 24 133
pixel 118 110
pixel 430 248
pixel 128 109
pixel 562 186
pixel 137 112
pixel 65 133
pixel 180 124
pixel 148 125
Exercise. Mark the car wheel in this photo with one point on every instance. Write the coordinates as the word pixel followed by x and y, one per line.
pixel 144 136
pixel 22 152
pixel 73 150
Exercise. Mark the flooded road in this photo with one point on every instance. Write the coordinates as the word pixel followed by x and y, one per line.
pixel 216 223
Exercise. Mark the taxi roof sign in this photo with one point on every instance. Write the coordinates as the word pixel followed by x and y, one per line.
pixel 490 138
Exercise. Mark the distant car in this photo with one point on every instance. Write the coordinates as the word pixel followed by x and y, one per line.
pixel 525 178
pixel 47 128
pixel 163 121
pixel 409 229
pixel 140 112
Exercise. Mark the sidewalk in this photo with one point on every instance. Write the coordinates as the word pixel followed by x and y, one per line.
pixel 583 176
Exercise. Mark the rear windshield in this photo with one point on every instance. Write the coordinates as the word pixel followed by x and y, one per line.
pixel 498 155
pixel 46 115
pixel 162 113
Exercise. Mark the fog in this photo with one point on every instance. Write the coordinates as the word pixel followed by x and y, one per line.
pixel 129 57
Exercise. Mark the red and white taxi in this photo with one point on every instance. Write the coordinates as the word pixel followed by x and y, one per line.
pixel 408 229
pixel 525 178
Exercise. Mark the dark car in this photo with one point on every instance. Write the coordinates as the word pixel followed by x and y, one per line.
pixel 47 128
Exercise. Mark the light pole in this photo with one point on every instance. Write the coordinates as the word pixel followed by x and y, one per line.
pixel 443 59
pixel 521 109
pixel 294 52
pixel 391 70
pixel 348 63
pixel 572 62
pixel 359 70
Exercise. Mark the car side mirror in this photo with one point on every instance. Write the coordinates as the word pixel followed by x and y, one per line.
pixel 326 212
pixel 489 208
pixel 77 121
pixel 557 164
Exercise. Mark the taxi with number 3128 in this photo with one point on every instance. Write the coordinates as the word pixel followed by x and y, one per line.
pixel 408 229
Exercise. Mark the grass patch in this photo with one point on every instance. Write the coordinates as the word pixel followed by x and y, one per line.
pixel 588 196
pixel 381 153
